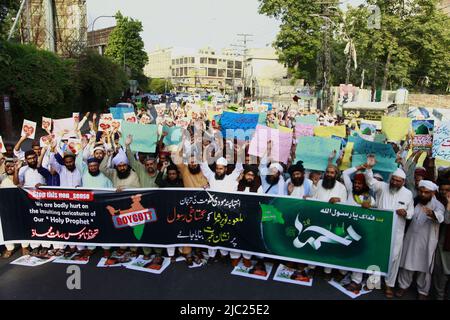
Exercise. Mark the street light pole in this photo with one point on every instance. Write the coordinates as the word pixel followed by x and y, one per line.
pixel 93 24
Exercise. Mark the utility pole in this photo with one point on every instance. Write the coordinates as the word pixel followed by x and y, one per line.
pixel 244 40
pixel 324 62
pixel 11 31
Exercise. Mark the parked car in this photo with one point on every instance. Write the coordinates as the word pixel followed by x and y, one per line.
pixel 155 98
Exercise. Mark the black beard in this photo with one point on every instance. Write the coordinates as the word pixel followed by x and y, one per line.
pixel 249 183
pixel 297 182
pixel 272 180
pixel 195 170
pixel 71 170
pixel 219 177
pixel 34 166
pixel 124 175
pixel 328 183
pixel 94 174
pixel 423 201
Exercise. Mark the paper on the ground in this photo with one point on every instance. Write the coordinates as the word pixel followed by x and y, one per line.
pixel 241 270
pixel 283 274
pixel 345 291
pixel 116 260
pixel 74 258
pixel 31 261
pixel 141 264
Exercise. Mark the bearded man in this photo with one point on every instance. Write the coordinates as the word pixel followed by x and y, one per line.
pixel 421 241
pixel 396 197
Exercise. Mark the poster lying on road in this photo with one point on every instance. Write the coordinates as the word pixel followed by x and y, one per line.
pixel 285 228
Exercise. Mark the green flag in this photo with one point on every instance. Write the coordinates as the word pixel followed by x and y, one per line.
pixel 271 214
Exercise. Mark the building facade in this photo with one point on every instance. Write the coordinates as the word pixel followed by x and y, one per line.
pixel 159 63
pixel 207 70
pixel 265 76
pixel 98 39
pixel 197 71
pixel 59 26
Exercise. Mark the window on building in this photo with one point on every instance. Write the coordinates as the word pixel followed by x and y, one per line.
pixel 173 72
pixel 212 61
pixel 222 73
pixel 185 71
pixel 238 65
pixel 203 60
pixel 230 64
pixel 185 60
pixel 229 82
pixel 192 60
pixel 237 73
pixel 229 73
pixel 174 61
pixel 212 72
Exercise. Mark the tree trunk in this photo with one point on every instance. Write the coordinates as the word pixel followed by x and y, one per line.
pixel 374 82
pixel 386 70
pixel 347 68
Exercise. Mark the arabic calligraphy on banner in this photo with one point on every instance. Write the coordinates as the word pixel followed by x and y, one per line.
pixel 441 143
pixel 338 236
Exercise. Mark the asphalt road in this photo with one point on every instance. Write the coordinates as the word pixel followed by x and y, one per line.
pixel 177 282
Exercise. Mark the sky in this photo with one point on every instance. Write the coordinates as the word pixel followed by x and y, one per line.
pixel 191 23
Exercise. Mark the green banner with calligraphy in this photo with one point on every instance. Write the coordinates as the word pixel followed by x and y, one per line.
pixel 318 233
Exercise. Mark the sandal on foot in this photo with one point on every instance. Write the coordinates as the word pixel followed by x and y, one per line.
pixel 7 254
pixel 389 293
pixel 353 287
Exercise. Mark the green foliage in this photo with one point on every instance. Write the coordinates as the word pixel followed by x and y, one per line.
pixel 410 48
pixel 125 43
pixel 42 84
pixel 8 11
pixel 159 86
pixel 101 81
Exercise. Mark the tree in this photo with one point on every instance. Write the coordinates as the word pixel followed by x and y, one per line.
pixel 410 48
pixel 300 39
pixel 125 45
pixel 38 82
pixel 159 86
pixel 8 11
pixel 100 82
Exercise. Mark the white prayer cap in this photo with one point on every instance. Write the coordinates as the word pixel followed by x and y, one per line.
pixel 98 148
pixel 222 161
pixel 399 173
pixel 379 176
pixel 427 184
pixel 120 158
pixel 277 166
